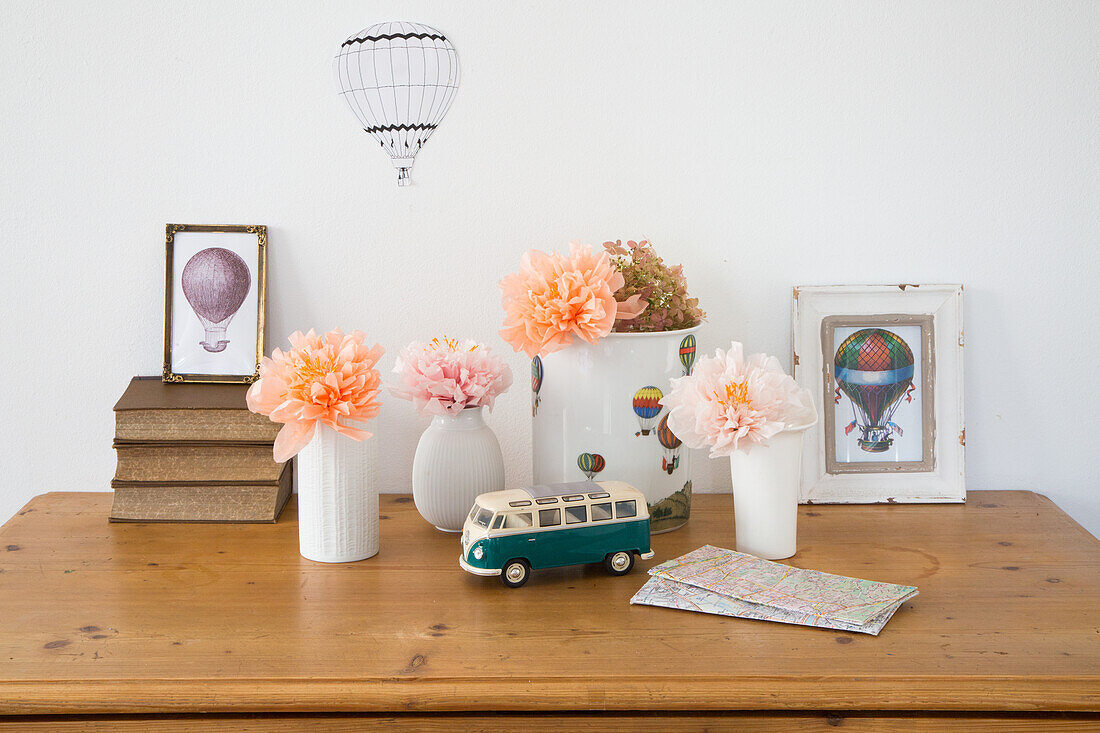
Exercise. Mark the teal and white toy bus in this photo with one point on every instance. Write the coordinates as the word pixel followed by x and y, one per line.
pixel 509 533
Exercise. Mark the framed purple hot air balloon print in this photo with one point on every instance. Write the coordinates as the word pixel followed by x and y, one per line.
pixel 887 364
pixel 214 285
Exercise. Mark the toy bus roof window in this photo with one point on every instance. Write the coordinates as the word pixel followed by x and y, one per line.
pixel 599 495
pixel 514 503
pixel 547 500
pixel 572 487
pixel 600 512
pixel 573 497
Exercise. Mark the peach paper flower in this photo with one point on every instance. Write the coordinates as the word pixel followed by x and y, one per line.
pixel 445 376
pixel 554 298
pixel 731 403
pixel 330 380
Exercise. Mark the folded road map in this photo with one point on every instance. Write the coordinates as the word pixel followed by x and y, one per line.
pixel 728 583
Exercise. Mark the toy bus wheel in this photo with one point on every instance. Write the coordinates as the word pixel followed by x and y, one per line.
pixel 619 563
pixel 515 573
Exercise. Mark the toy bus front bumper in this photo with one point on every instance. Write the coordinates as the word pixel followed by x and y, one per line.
pixel 476 571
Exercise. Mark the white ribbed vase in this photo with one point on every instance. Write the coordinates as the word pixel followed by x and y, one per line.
pixel 337 498
pixel 457 458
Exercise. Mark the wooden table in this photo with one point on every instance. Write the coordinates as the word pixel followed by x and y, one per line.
pixel 168 621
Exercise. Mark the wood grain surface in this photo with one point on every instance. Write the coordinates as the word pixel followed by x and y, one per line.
pixel 103 618
pixel 567 723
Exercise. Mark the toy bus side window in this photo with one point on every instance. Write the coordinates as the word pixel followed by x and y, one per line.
pixel 498 522
pixel 600 512
pixel 549 517
pixel 576 514
pixel 518 521
pixel 626 509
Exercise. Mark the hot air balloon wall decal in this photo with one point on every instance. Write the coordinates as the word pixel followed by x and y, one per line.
pixel 668 440
pixel 214 288
pixel 398 79
pixel 647 407
pixel 536 384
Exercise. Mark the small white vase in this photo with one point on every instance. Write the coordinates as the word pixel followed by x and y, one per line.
pixel 765 496
pixel 337 499
pixel 457 458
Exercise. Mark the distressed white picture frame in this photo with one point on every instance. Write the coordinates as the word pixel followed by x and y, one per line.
pixel 946 481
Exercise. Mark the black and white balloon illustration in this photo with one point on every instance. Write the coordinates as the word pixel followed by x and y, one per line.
pixel 215 282
pixel 399 80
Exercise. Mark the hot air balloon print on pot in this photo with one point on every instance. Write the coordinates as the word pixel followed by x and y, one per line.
pixel 590 464
pixel 215 282
pixel 647 407
pixel 668 440
pixel 687 353
pixel 399 80
pixel 874 368
pixel 536 384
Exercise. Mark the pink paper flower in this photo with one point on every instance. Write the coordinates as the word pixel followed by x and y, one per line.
pixel 732 403
pixel 445 376
pixel 554 298
pixel 330 380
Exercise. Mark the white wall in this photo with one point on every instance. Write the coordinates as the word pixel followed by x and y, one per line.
pixel 762 144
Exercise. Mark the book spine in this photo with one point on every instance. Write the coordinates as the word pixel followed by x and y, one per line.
pixel 193 425
pixel 216 503
pixel 190 463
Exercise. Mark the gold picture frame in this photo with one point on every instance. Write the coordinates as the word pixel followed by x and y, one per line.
pixel 174 369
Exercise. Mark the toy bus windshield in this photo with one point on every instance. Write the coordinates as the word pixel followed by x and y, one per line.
pixel 481 517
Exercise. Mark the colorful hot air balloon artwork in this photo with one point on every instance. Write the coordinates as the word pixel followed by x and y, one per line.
pixel 590 464
pixel 399 80
pixel 536 384
pixel 874 368
pixel 647 406
pixel 687 353
pixel 215 282
pixel 671 444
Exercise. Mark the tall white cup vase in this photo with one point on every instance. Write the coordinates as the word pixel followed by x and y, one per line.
pixel 457 458
pixel 337 498
pixel 595 415
pixel 765 495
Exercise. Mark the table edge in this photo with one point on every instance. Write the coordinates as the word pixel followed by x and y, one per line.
pixel 516 694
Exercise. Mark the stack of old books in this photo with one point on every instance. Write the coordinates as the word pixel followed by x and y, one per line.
pixel 195 453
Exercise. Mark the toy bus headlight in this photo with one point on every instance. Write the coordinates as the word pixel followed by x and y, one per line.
pixel 478 553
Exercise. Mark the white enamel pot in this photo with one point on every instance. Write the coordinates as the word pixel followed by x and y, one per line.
pixel 595 415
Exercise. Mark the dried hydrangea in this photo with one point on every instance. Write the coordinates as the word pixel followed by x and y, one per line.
pixel 663 288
